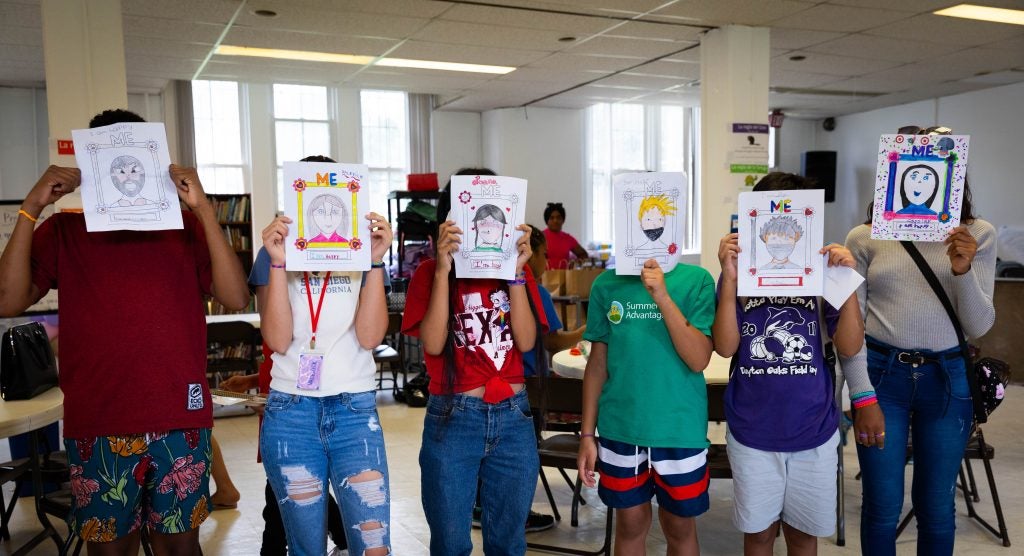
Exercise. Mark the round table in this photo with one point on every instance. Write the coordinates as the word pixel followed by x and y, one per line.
pixel 572 366
pixel 29 416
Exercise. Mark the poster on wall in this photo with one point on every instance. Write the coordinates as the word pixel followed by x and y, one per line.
pixel 748 154
pixel 780 236
pixel 487 209
pixel 125 180
pixel 326 202
pixel 919 186
pixel 650 219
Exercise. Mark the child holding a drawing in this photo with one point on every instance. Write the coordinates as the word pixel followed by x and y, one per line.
pixel 644 390
pixel 320 424
pixel 780 402
pixel 478 422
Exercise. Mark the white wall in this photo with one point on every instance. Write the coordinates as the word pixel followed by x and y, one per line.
pixel 794 138
pixel 455 142
pixel 544 146
pixel 992 117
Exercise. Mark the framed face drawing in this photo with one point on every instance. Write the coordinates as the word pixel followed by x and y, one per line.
pixel 487 209
pixel 327 203
pixel 125 181
pixel 919 186
pixel 650 218
pixel 780 235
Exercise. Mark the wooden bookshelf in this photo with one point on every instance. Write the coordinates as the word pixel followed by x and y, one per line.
pixel 234 212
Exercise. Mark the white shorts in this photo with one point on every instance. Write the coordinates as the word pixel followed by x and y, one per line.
pixel 797 487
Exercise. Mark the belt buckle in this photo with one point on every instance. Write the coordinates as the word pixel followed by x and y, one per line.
pixel 914 359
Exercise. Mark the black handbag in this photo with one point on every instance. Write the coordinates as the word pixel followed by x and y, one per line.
pixel 987 377
pixel 27 365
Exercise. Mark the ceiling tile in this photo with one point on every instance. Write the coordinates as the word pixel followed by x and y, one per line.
pixel 598 6
pixel 825 17
pixel 331 22
pixel 645 30
pixel 884 48
pixel 545 75
pixel 161 66
pixel 947 30
pixel 495 36
pixel 171 29
pixel 798 79
pixel 565 24
pixel 263 70
pixel 138 46
pixel 316 42
pixel 642 81
pixel 564 61
pixel 678 70
pixel 25 36
pixel 21 54
pixel 1015 44
pixel 793 39
pixel 207 11
pixel 146 84
pixel 916 6
pixel 420 50
pixel 21 15
pixel 830 64
pixel 723 12
pixel 611 46
pixel 692 55
pixel 407 8
pixel 870 84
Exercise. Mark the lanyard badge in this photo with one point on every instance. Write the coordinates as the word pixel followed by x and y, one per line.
pixel 311 360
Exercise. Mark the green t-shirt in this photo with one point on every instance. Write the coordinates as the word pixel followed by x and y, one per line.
pixel 651 397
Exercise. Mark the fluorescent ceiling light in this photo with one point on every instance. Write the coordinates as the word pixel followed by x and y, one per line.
pixel 309 56
pixel 984 13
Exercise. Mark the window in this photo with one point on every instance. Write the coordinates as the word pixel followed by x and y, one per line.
pixel 301 127
pixel 385 126
pixel 218 136
pixel 623 138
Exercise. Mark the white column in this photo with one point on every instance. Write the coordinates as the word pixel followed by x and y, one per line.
pixel 733 88
pixel 258 126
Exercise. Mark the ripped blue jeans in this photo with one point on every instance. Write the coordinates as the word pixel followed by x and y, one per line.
pixel 307 442
pixel 932 402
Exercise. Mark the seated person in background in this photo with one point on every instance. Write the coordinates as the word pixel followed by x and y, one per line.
pixel 133 372
pixel 560 244
pixel 556 339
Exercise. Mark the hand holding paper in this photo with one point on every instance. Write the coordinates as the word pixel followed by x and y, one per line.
pixel 55 183
pixel 840 282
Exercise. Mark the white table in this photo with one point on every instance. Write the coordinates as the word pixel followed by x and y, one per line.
pixel 572 366
pixel 30 416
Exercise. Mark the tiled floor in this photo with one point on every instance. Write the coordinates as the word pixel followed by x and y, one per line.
pixel 238 531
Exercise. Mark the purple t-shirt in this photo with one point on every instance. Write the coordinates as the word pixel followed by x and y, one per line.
pixel 780 396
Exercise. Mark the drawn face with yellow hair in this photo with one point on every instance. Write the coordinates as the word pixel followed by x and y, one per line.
pixel 652 214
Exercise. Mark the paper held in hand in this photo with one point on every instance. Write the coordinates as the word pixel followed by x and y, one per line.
pixel 125 180
pixel 327 203
pixel 650 219
pixel 487 209
pixel 780 236
pixel 919 186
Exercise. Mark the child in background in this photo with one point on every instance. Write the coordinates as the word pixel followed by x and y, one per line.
pixel 557 339
pixel 644 390
pixel 780 402
pixel 478 423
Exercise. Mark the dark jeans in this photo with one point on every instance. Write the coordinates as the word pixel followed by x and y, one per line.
pixel 932 402
pixel 274 541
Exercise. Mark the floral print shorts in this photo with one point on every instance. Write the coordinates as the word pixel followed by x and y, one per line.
pixel 119 483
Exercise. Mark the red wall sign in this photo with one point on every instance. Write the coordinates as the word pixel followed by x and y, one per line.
pixel 65 146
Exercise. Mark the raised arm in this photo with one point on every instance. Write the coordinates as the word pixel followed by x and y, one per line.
pixel 524 327
pixel 433 328
pixel 849 334
pixel 973 260
pixel 691 345
pixel 17 292
pixel 228 287
pixel 276 324
pixel 371 318
pixel 725 332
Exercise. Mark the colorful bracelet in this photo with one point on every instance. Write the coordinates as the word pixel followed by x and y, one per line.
pixel 519 281
pixel 25 213
pixel 379 264
pixel 863 399
pixel 272 265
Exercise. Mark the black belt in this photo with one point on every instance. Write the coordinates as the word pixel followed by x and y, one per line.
pixel 912 358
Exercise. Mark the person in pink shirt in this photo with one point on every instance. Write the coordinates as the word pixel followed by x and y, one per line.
pixel 560 244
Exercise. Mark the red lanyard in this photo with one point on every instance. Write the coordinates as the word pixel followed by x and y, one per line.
pixel 314 317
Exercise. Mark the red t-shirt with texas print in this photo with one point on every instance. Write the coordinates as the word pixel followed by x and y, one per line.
pixel 485 354
pixel 133 335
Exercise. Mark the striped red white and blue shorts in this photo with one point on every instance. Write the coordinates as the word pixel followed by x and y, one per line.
pixel 632 475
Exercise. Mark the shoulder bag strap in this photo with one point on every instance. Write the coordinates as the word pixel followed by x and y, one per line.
pixel 933 281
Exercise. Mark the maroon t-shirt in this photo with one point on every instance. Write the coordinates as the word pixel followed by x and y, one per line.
pixel 132 349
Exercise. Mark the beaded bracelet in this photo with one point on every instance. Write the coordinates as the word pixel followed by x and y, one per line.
pixel 27 215
pixel 863 399
pixel 519 281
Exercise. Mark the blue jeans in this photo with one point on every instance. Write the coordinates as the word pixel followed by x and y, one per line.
pixel 467 439
pixel 308 441
pixel 933 402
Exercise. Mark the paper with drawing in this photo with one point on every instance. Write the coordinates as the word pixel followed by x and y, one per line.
pixel 125 181
pixel 487 209
pixel 780 235
pixel 650 218
pixel 919 186
pixel 327 203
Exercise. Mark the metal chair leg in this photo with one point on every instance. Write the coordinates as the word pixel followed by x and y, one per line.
pixel 551 498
